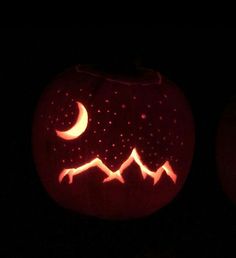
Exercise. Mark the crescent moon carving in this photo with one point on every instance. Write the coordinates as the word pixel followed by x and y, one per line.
pixel 79 127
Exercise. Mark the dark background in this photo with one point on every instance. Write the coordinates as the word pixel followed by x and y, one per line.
pixel 200 222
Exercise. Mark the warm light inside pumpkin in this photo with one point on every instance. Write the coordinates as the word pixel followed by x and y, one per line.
pixel 125 144
pixel 79 127
pixel 111 175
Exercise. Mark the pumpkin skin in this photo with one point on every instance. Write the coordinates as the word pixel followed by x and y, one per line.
pixel 140 122
pixel 226 150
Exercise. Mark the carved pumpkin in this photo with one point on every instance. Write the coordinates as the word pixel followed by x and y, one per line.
pixel 112 147
pixel 226 150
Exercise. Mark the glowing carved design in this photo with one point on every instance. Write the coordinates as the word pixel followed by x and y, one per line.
pixel 134 156
pixel 79 127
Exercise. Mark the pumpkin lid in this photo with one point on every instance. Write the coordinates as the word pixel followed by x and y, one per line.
pixel 122 74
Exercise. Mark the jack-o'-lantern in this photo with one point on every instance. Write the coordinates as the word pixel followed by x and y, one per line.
pixel 226 150
pixel 112 146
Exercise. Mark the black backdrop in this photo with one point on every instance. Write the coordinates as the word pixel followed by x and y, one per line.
pixel 200 222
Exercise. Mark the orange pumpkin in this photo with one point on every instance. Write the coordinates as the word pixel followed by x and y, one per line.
pixel 226 150
pixel 110 146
